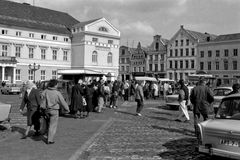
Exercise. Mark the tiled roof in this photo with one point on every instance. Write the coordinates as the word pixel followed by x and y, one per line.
pixel 23 15
pixel 81 24
pixel 200 36
pixel 227 37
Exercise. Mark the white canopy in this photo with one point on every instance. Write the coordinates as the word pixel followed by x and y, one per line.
pixel 146 79
pixel 79 71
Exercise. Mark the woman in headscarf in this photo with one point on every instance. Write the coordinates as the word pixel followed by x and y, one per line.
pixel 31 100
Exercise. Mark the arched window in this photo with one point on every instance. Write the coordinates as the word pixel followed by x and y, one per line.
pixel 109 57
pixel 94 57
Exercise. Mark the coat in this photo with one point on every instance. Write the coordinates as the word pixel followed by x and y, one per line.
pixel 201 97
pixel 77 102
pixel 139 93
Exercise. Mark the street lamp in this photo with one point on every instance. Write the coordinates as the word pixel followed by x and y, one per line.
pixel 34 67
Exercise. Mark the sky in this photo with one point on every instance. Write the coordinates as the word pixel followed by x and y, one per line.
pixel 140 20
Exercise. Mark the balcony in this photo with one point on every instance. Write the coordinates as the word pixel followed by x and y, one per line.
pixel 8 59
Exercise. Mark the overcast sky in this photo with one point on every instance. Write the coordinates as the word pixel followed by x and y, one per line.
pixel 140 20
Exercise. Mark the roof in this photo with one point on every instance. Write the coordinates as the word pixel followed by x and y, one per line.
pixel 227 37
pixel 200 36
pixel 81 24
pixel 24 15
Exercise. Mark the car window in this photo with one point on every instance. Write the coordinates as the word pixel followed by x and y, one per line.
pixel 229 109
pixel 221 92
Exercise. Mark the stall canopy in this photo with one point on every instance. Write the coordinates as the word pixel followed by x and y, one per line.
pixel 146 79
pixel 79 71
pixel 165 80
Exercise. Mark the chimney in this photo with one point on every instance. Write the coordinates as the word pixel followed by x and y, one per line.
pixel 181 26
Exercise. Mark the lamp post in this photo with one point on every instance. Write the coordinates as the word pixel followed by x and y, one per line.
pixel 34 67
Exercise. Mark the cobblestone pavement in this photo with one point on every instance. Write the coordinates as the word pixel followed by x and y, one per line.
pixel 155 135
pixel 125 136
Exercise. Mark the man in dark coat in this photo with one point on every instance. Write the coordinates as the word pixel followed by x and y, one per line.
pixel 77 100
pixel 201 97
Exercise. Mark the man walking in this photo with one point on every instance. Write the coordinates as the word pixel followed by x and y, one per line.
pixel 139 97
pixel 183 101
pixel 201 97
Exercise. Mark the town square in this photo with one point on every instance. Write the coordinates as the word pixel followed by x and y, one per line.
pixel 119 80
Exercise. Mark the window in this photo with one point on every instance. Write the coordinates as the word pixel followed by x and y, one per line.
pixel 4 50
pixel 55 38
pixel 176 43
pixel 187 52
pixel 18 74
pixel 182 42
pixel 43 75
pixel 162 57
pixel 162 67
pixel 150 67
pixel 209 66
pixel 95 39
pixel 156 57
pixel 31 35
pixel 170 64
pixel 43 53
pixel 201 65
pixel 170 76
pixel 192 64
pixel 181 64
pixel 122 60
pixel 225 65
pixel 65 39
pixel 226 52
pixel 157 46
pixel 128 60
pixel 186 64
pixel 30 52
pixel 217 65
pixel 4 31
pixel 156 67
pixel 176 64
pixel 103 29
pixel 127 68
pixel 181 75
pixel 94 57
pixel 234 65
pixel 123 52
pixel 139 69
pixel 209 53
pixel 193 51
pixel 18 51
pixel 54 54
pixel 187 42
pixel 18 33
pixel 54 74
pixel 235 52
pixel 181 52
pixel 109 57
pixel 30 75
pixel 217 53
pixel 143 69
pixel 110 41
pixel 176 52
pixel 201 53
pixel 65 55
pixel 171 53
pixel 43 36
pixel 151 57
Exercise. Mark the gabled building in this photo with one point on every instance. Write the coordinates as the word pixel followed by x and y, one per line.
pixel 182 52
pixel 124 63
pixel 156 57
pixel 221 56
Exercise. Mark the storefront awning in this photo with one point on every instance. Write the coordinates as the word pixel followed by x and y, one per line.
pixel 78 71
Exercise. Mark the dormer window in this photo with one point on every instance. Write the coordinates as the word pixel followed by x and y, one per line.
pixel 103 29
pixel 54 38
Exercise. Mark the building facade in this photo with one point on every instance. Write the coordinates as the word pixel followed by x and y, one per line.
pixel 182 53
pixel 156 57
pixel 36 43
pixel 221 56
pixel 124 63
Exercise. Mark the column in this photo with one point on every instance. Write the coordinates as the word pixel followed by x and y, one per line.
pixel 14 75
pixel 3 73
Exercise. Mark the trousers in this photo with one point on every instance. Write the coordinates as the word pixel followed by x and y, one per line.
pixel 53 122
pixel 184 109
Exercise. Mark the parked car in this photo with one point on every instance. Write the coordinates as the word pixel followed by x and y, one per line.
pixel 11 89
pixel 219 93
pixel 172 100
pixel 220 136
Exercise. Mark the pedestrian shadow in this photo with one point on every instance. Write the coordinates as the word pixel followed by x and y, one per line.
pixel 165 113
pixel 159 118
pixel 184 148
pixel 183 131
pixel 129 113
pixel 18 129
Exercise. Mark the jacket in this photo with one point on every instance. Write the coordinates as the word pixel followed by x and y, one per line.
pixel 53 99
pixel 32 100
pixel 139 93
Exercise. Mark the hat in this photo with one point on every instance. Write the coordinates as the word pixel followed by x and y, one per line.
pixel 181 81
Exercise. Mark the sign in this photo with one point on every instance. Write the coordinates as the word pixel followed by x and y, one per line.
pixel 102 48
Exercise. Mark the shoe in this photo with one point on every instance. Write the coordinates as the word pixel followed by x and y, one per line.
pixel 138 114
pixel 50 142
pixel 177 120
pixel 37 133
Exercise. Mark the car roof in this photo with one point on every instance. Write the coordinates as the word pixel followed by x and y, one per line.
pixel 223 88
pixel 236 95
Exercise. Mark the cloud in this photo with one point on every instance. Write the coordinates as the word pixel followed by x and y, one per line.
pixel 141 27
